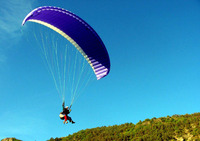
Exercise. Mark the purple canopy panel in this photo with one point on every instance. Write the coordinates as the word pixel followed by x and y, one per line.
pixel 78 32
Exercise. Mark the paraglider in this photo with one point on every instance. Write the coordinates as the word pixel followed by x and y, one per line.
pixel 64 114
pixel 80 34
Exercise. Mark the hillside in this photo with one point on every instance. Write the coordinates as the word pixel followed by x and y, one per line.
pixel 176 127
pixel 10 139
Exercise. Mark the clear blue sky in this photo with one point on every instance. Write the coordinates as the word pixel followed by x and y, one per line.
pixel 154 49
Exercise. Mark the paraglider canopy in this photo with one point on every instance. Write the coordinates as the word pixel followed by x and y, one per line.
pixel 78 32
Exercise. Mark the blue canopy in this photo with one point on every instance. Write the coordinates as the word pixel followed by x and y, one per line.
pixel 78 32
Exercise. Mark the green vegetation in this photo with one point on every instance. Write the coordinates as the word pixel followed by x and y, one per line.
pixel 10 139
pixel 176 127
